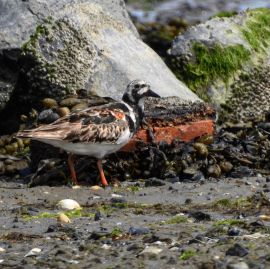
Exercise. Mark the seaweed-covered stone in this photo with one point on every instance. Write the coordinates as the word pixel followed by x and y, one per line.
pixel 225 61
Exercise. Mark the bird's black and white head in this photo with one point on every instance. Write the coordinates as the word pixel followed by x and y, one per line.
pixel 136 91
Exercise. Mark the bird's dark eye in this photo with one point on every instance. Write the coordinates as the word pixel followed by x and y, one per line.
pixel 137 86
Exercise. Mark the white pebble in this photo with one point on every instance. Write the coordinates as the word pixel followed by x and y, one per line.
pixel 152 250
pixel 2 250
pixel 106 246
pixel 68 204
pixel 33 252
pixel 115 195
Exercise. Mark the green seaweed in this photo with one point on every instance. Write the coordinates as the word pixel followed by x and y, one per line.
pixel 232 204
pixel 116 232
pixel 229 222
pixel 212 63
pixel 187 254
pixel 257 28
pixel 177 219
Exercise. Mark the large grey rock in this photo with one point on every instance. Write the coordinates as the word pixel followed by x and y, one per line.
pixel 68 45
pixel 226 61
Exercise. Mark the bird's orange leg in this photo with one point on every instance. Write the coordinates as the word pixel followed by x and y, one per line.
pixel 72 169
pixel 101 172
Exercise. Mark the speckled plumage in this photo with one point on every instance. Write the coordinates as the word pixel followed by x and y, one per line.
pixel 96 131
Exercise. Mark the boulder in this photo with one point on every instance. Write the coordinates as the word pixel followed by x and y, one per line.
pixel 226 61
pixel 68 45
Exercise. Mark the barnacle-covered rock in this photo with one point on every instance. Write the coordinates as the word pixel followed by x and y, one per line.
pixel 225 61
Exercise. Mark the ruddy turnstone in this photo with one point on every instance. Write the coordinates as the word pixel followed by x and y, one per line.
pixel 96 131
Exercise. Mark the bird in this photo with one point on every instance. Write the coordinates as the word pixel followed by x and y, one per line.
pixel 96 131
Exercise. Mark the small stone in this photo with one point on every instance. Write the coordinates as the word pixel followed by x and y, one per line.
pixel 152 250
pixel 237 250
pixel 48 116
pixel 49 103
pixel 201 149
pixel 239 265
pixel 225 166
pixel 138 231
pixel 2 250
pixel 264 217
pixel 33 252
pixel 97 216
pixel 214 171
pixel 154 182
pixel 105 246
pixel 95 188
pixel 80 106
pixel 63 111
pixel 62 218
pixel 134 246
pixel 68 204
pixel 70 102
pixel 200 216
pixel 234 231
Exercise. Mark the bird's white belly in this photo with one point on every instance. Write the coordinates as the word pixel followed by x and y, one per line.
pixel 98 150
pixel 95 150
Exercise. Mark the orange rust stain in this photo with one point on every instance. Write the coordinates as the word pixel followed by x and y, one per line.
pixel 185 132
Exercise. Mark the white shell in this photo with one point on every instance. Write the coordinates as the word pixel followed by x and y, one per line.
pixel 68 204
pixel 33 252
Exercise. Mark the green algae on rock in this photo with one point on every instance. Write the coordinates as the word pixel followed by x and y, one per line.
pixel 214 56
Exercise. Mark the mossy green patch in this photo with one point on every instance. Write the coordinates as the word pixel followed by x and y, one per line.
pixel 177 219
pixel 232 204
pixel 212 63
pixel 187 254
pixel 257 28
pixel 229 222
pixel 116 232
pixel 224 14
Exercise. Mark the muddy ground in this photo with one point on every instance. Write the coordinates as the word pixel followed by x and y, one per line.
pixel 215 224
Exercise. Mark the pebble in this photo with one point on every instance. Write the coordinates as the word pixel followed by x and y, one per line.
pixel 234 231
pixel 68 204
pixel 106 246
pixel 239 265
pixel 138 231
pixel 33 252
pixel 49 103
pixel 200 216
pixel 70 102
pixel 62 218
pixel 48 116
pixel 80 106
pixel 154 182
pixel 264 217
pixel 152 250
pixel 63 111
pixel 237 250
pixel 97 216
pixel 2 250
pixel 95 188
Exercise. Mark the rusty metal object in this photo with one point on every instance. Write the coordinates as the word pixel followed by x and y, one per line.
pixel 172 119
